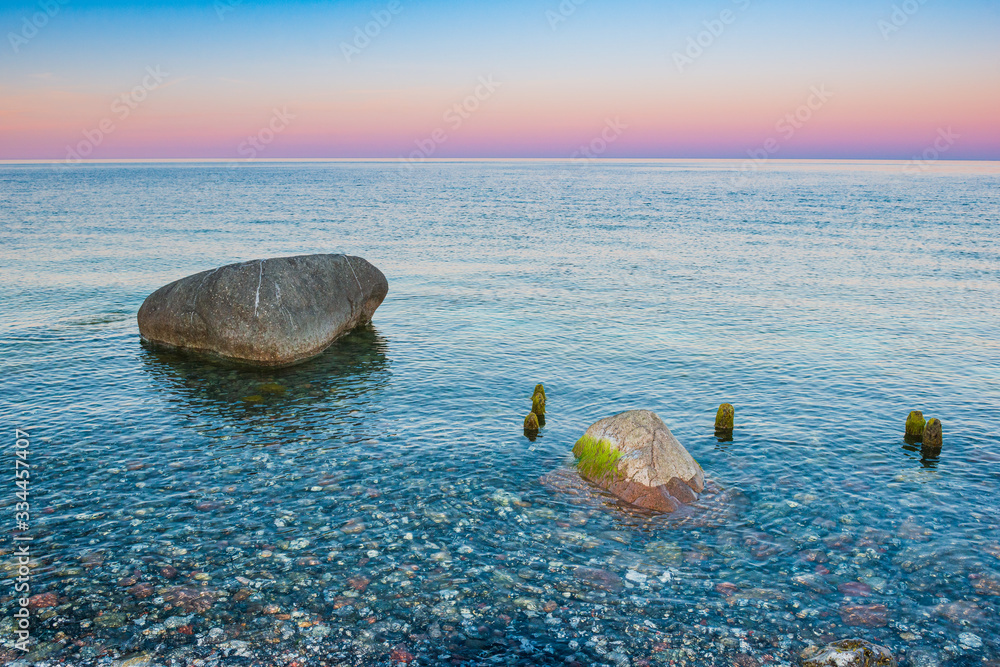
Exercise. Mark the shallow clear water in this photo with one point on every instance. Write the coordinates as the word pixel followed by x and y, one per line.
pixel 386 505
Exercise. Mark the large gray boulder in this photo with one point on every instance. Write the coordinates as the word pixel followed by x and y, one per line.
pixel 267 312
pixel 634 456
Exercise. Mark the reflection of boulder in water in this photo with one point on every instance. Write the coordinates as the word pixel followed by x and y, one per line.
pixel 714 507
pixel 343 379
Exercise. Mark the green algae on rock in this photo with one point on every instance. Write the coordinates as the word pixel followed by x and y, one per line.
pixel 915 424
pixel 848 653
pixel 596 459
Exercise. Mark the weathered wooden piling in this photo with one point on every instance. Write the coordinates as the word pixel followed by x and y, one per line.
pixel 724 419
pixel 915 424
pixel 531 426
pixel 933 437
pixel 538 404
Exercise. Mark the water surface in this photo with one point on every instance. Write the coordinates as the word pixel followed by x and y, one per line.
pixel 383 505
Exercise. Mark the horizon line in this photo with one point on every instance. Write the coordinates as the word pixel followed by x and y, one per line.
pixel 408 161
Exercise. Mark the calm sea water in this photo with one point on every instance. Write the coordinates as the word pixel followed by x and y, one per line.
pixel 385 506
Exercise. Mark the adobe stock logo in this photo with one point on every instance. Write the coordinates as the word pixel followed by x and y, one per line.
pixel 698 44
pixel 455 116
pixel 562 13
pixel 787 127
pixel 122 107
pixel 901 15
pixel 256 143
pixel 381 18
pixel 223 7
pixel 946 138
pixel 31 25
pixel 614 128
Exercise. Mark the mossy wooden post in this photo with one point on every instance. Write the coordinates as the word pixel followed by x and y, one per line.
pixel 933 438
pixel 724 419
pixel 915 424
pixel 531 426
pixel 538 407
pixel 539 389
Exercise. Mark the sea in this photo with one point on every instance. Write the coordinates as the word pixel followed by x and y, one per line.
pixel 381 504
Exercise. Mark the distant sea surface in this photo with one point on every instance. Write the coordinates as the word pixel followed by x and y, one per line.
pixel 380 504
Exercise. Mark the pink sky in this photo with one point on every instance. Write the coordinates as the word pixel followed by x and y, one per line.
pixel 881 98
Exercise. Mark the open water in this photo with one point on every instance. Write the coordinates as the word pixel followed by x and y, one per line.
pixel 381 505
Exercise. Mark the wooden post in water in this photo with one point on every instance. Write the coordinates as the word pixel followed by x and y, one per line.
pixel 724 420
pixel 915 426
pixel 531 426
pixel 933 438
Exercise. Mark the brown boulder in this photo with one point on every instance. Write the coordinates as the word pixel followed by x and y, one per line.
pixel 634 456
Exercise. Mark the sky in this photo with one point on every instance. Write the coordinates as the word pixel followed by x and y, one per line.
pixel 245 79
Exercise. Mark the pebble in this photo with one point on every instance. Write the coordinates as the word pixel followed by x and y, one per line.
pixel 812 581
pixel 131 580
pixel 597 578
pixel 141 591
pixel 985 584
pixel 960 611
pixel 43 600
pixel 855 589
pixel 353 527
pixel 664 553
pixel 868 616
pixel 527 603
pixel 456 569
pixel 401 654
pixel 637 577
pixel 359 583
pixel 726 588
pixel 111 620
